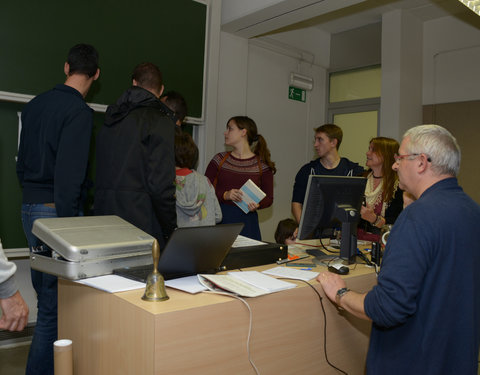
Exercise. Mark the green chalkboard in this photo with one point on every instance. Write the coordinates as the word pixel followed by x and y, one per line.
pixel 36 37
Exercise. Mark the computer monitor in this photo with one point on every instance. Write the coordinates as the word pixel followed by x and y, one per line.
pixel 331 201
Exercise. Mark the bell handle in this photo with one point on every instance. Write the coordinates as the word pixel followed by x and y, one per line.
pixel 155 255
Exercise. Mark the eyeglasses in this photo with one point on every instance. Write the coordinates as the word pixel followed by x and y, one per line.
pixel 398 157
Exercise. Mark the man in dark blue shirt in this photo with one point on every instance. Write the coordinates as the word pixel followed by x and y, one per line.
pixel 51 167
pixel 328 138
pixel 425 308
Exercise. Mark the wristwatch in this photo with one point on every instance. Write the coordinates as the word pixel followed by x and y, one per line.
pixel 340 293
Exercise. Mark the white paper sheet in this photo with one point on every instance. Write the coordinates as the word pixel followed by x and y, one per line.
pixel 112 283
pixel 188 284
pixel 291 273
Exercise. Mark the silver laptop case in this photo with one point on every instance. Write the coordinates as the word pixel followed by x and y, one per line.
pixel 89 246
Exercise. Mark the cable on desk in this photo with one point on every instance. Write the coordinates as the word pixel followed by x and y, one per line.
pixel 324 326
pixel 321 245
pixel 249 325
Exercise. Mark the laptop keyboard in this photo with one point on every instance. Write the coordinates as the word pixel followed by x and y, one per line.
pixel 138 273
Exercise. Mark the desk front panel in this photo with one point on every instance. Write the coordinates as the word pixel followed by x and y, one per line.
pixel 119 334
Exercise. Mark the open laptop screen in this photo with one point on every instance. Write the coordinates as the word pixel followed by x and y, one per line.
pixel 190 251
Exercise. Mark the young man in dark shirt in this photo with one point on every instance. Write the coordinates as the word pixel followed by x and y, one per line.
pixel 328 138
pixel 51 168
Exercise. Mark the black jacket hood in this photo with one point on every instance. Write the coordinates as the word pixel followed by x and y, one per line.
pixel 134 97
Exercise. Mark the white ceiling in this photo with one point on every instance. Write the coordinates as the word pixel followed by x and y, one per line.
pixel 259 17
pixel 371 12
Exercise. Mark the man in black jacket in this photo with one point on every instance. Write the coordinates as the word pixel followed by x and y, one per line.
pixel 51 167
pixel 135 158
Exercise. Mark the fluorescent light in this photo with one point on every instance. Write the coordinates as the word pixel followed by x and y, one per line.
pixel 474 5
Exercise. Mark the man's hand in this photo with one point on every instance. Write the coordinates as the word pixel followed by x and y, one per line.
pixel 14 313
pixel 352 302
pixel 331 282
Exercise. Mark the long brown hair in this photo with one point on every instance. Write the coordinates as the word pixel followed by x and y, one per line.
pixel 387 148
pixel 261 149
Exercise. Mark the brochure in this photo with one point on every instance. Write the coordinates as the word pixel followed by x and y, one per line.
pixel 251 193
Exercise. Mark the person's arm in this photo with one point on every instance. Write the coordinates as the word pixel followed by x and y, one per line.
pixel 297 211
pixel 394 208
pixel 14 313
pixel 351 301
pixel 299 190
pixel 267 188
pixel 369 215
pixel 13 307
pixel 211 173
pixel 358 170
pixel 71 162
pixel 20 167
pixel 159 140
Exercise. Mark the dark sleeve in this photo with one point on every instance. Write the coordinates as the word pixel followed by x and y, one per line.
pixel 20 161
pixel 300 184
pixel 161 173
pixel 71 162
pixel 394 208
pixel 267 188
pixel 358 170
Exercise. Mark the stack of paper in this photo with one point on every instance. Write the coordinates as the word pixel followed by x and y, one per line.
pixel 188 284
pixel 242 241
pixel 246 284
pixel 251 193
pixel 111 283
pixel 291 273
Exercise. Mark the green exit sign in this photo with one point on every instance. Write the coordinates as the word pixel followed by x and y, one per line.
pixel 297 94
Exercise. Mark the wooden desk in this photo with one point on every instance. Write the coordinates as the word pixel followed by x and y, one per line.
pixel 207 334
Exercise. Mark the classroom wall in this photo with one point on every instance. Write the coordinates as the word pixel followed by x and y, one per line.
pixel 361 46
pixel 451 60
pixel 253 80
pixel 250 80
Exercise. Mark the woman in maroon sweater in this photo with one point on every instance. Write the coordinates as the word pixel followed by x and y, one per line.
pixel 228 171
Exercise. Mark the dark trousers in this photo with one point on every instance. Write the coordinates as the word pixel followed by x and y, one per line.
pixel 40 357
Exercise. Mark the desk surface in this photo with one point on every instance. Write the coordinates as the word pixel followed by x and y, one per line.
pixel 207 334
pixel 180 300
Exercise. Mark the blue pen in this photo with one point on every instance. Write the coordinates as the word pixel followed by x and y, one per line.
pixel 305 269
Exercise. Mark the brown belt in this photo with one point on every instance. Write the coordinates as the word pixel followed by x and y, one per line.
pixel 51 205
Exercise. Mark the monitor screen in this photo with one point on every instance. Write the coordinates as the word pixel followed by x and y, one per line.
pixel 333 201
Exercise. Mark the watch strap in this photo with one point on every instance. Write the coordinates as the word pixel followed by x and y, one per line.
pixel 341 292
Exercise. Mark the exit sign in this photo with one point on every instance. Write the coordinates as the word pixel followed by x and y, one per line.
pixel 297 94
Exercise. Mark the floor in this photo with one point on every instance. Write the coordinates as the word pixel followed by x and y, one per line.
pixel 13 359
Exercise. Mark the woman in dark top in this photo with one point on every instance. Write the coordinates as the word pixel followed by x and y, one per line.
pixel 228 171
pixel 383 197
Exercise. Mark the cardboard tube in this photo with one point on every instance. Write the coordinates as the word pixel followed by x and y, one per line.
pixel 62 357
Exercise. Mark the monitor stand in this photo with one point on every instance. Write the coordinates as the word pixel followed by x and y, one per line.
pixel 348 243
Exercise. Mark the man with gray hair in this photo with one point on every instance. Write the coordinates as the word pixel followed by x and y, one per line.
pixel 425 308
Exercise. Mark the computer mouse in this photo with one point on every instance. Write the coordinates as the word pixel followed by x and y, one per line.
pixel 339 269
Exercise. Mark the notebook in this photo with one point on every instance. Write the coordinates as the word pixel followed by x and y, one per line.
pixel 189 251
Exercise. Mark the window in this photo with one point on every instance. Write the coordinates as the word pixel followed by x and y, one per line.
pixel 354 105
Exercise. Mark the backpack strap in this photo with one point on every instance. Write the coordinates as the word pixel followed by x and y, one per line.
pixel 215 181
pixel 259 166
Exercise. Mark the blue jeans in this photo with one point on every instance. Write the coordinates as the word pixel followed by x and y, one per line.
pixel 40 357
